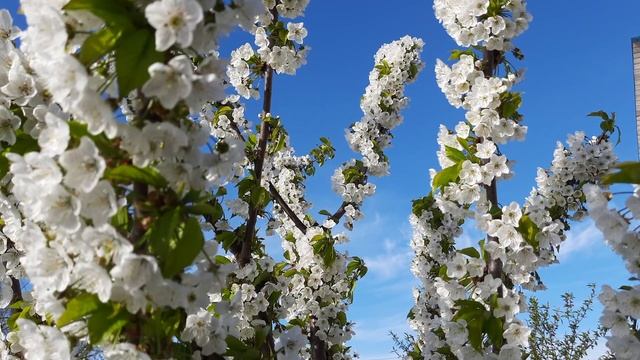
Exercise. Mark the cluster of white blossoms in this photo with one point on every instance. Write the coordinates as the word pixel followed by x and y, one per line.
pixel 65 241
pixel 621 306
pixel 559 197
pixel 465 85
pixel 319 285
pixel 247 64
pixel 461 288
pixel 491 24
pixel 121 145
pixel 321 278
pixel 396 65
pixel 467 294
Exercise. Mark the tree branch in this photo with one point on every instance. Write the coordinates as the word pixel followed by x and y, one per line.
pixel 265 130
pixel 491 61
pixel 318 347
pixel 235 128
pixel 141 190
pixel 340 212
pixel 285 207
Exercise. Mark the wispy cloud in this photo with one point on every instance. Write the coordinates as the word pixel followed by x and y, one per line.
pixel 386 265
pixel 580 239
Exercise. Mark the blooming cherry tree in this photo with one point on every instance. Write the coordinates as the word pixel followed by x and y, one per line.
pixel 467 304
pixel 136 194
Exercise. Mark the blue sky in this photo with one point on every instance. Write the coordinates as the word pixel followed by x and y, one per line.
pixel 578 59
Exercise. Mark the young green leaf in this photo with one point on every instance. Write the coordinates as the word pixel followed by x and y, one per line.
pixel 135 53
pixel 99 44
pixel 129 173
pixel 77 308
pixel 189 244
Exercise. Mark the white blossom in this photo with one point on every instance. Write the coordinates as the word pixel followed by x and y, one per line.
pixel 174 21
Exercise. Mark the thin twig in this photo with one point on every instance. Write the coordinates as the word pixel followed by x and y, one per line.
pixel 285 207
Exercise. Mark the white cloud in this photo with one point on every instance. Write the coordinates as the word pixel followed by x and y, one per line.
pixel 394 261
pixel 580 239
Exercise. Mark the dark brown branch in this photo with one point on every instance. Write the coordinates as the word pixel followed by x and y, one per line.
pixel 340 212
pixel 491 61
pixel 318 347
pixel 265 131
pixel 235 128
pixel 141 191
pixel 285 207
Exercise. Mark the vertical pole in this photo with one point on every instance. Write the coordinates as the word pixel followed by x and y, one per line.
pixel 635 51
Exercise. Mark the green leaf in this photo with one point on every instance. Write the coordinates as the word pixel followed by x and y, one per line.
pixel 454 154
pixel 475 326
pixel 162 324
pixel 383 68
pixel 456 54
pixel 116 13
pixel 105 323
pixel 260 197
pixel 78 307
pixel 227 239
pixel 206 209
pixel 78 130
pixel 134 54
pixel 130 173
pixel 509 104
pixel 244 186
pixel 357 266
pixel 121 220
pixel 529 231
pixel 24 144
pixel 163 234
pixel 418 206
pixel 494 329
pixel 24 313
pixel 239 350
pixel 222 260
pixel 99 44
pixel 189 244
pixel 446 176
pixel 468 309
pixel 175 241
pixel 629 174
pixel 329 255
pixel 600 114
pixel 342 318
pixel 470 251
pixel 475 314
